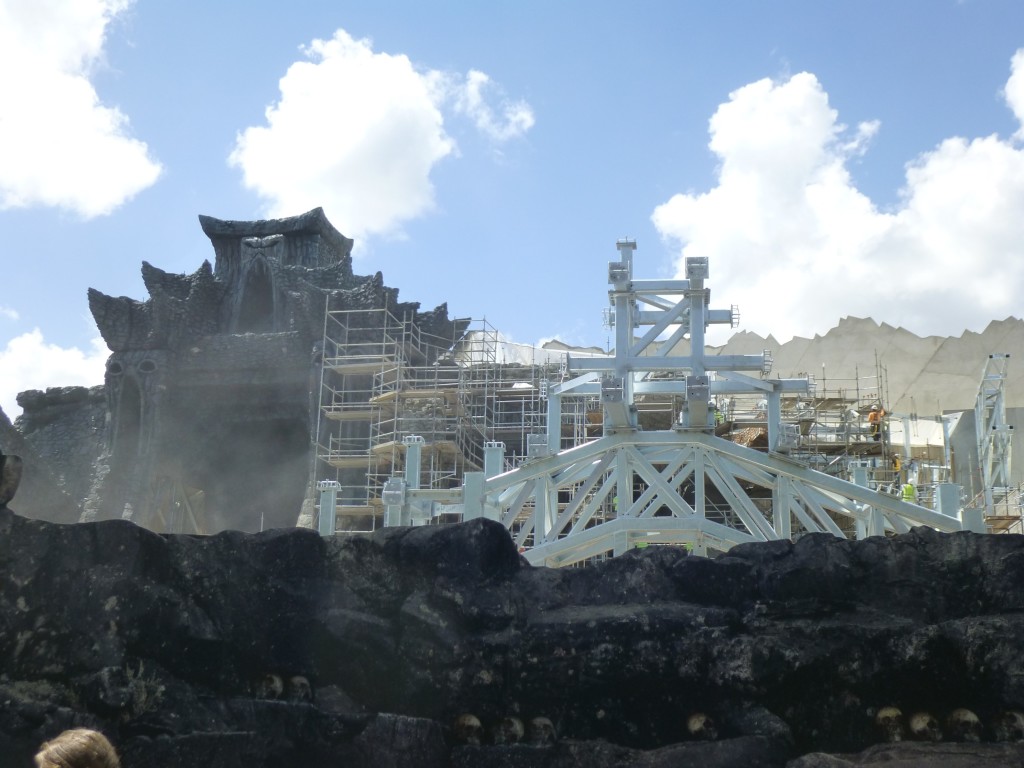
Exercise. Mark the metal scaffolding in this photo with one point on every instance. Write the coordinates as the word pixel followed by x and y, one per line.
pixel 387 390
pixel 584 455
pixel 999 498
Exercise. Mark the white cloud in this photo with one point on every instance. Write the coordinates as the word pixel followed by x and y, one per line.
pixel 359 133
pixel 28 362
pixel 9 313
pixel 1014 90
pixel 793 241
pixel 59 146
pixel 516 116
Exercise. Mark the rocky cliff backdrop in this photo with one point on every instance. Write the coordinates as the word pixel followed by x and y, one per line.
pixel 439 646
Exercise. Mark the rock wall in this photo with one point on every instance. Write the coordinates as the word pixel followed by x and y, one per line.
pixel 283 648
pixel 60 435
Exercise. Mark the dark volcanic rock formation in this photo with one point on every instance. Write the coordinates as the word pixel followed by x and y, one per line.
pixel 283 648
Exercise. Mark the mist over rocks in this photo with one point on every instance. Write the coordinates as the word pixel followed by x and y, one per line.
pixel 283 648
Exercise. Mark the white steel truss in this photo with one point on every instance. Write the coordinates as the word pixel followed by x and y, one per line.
pixel 994 435
pixel 682 485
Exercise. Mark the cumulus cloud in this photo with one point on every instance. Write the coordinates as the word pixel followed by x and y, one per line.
pixel 792 240
pixel 516 116
pixel 29 362
pixel 59 145
pixel 359 132
pixel 1014 90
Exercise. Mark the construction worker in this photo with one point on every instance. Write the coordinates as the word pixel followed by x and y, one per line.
pixel 909 493
pixel 719 416
pixel 875 416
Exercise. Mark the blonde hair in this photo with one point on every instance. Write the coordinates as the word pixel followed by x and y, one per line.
pixel 78 748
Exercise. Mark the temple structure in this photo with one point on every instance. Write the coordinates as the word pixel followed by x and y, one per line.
pixel 212 382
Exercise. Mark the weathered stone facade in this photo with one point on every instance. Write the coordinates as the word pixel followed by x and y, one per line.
pixel 210 396
pixel 60 436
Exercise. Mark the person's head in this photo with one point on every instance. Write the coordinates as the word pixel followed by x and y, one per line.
pixel 78 748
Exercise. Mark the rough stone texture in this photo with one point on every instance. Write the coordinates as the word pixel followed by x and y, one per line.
pixel 57 438
pixel 192 649
pixel 10 477
pixel 911 755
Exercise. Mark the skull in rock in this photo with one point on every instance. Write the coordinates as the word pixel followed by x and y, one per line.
pixel 1008 726
pixel 925 727
pixel 467 729
pixel 963 725
pixel 540 732
pixel 889 724
pixel 299 689
pixel 508 730
pixel 699 725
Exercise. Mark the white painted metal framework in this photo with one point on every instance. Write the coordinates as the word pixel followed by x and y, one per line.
pixel 685 487
pixel 993 433
pixel 679 485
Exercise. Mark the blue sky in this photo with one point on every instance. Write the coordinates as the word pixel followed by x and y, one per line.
pixel 831 159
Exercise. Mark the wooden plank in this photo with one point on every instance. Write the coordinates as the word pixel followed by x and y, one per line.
pixel 347 414
pixel 349 462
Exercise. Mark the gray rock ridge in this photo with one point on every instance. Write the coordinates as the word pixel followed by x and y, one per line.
pixel 60 412
pixel 283 648
pixel 923 374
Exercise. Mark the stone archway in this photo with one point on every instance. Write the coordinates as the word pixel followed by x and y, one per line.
pixel 256 305
pixel 128 434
